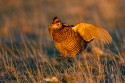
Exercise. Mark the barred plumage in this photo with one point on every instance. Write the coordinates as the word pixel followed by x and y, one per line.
pixel 71 40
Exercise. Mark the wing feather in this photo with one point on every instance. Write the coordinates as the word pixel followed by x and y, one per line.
pixel 89 31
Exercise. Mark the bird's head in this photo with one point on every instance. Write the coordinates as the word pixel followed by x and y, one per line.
pixel 56 23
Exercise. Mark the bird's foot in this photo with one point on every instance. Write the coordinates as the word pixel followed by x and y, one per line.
pixel 60 58
pixel 70 60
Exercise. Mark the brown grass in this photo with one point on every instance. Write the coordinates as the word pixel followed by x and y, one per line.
pixel 29 64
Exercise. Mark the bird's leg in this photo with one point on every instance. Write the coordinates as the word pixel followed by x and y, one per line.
pixel 62 55
pixel 72 56
pixel 71 59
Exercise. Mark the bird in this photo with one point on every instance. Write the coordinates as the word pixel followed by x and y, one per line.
pixel 70 40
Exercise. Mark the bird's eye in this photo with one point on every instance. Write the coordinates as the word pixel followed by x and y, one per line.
pixel 58 24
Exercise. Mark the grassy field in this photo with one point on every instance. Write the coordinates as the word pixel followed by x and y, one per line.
pixel 28 55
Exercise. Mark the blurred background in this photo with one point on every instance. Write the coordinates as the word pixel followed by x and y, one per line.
pixel 25 43
pixel 29 19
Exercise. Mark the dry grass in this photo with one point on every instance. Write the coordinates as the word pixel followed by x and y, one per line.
pixel 26 63
pixel 27 54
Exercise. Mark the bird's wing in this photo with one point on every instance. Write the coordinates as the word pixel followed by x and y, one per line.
pixel 89 31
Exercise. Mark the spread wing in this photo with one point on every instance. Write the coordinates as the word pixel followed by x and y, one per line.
pixel 89 31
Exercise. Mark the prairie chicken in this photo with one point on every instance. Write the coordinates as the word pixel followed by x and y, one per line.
pixel 72 39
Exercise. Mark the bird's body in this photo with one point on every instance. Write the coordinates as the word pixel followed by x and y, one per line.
pixel 67 40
